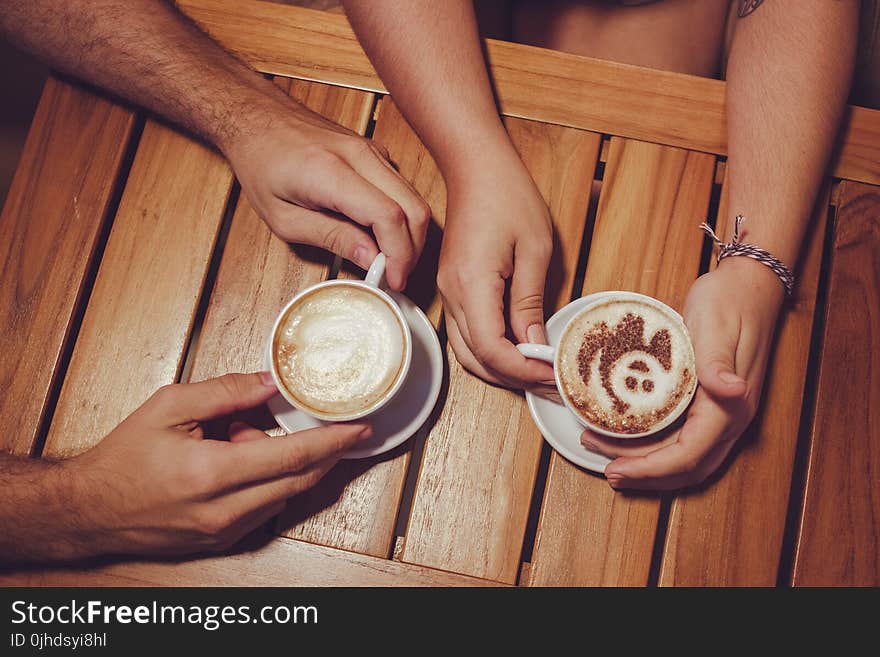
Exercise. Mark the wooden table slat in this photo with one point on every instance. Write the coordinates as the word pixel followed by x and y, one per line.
pixel 838 541
pixel 51 225
pixel 138 321
pixel 651 202
pixel 278 562
pixel 480 463
pixel 355 505
pixel 729 532
pixel 258 272
pixel 533 83
pixel 476 481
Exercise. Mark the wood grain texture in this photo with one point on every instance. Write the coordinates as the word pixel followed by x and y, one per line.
pixel 839 534
pixel 259 272
pixel 139 316
pixel 279 562
pixel 49 229
pixel 355 507
pixel 729 532
pixel 645 240
pixel 532 83
pixel 480 462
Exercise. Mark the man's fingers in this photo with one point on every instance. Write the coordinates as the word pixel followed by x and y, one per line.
pixel 241 432
pixel 483 308
pixel 527 293
pixel 341 189
pixel 250 461
pixel 372 164
pixel 247 508
pixel 333 233
pixel 180 403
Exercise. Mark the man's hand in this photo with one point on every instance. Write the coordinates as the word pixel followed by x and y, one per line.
pixel 731 314
pixel 311 180
pixel 156 485
pixel 314 182
pixel 498 229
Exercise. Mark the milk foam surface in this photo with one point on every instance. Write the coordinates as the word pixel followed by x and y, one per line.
pixel 339 350
pixel 626 365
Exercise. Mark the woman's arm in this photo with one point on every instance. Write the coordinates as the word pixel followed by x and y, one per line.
pixel 788 77
pixel 497 225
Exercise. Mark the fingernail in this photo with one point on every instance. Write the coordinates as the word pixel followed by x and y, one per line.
pixel 729 377
pixel 549 382
pixel 536 334
pixel 590 445
pixel 267 380
pixel 361 257
pixel 613 481
pixel 366 432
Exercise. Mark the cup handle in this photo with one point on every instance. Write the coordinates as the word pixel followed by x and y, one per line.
pixel 539 351
pixel 376 272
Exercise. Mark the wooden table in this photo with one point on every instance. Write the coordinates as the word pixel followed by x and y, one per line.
pixel 125 241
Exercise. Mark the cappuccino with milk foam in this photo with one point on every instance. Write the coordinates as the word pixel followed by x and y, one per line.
pixel 339 351
pixel 625 365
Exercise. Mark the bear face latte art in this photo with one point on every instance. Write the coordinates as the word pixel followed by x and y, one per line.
pixel 626 366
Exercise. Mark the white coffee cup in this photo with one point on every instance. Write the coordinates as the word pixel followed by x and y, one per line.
pixel 371 284
pixel 550 354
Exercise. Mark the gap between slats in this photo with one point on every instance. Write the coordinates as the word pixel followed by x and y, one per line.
pixel 797 491
pixel 578 283
pixel 88 283
pixel 705 262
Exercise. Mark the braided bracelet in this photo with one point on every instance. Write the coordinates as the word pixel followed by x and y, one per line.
pixel 736 248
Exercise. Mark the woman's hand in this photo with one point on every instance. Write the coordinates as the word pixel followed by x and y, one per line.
pixel 498 230
pixel 731 314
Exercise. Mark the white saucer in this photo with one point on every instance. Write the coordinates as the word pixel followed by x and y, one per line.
pixel 557 424
pixel 409 409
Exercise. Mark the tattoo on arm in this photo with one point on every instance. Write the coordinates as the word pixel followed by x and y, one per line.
pixel 746 7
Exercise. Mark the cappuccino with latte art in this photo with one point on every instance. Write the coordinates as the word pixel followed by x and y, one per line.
pixel 626 366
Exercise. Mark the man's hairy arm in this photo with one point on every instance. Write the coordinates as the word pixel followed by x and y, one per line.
pixel 157 485
pixel 311 180
pixel 36 520
pixel 147 52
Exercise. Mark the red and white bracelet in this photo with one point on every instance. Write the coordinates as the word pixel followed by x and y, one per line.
pixel 737 248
